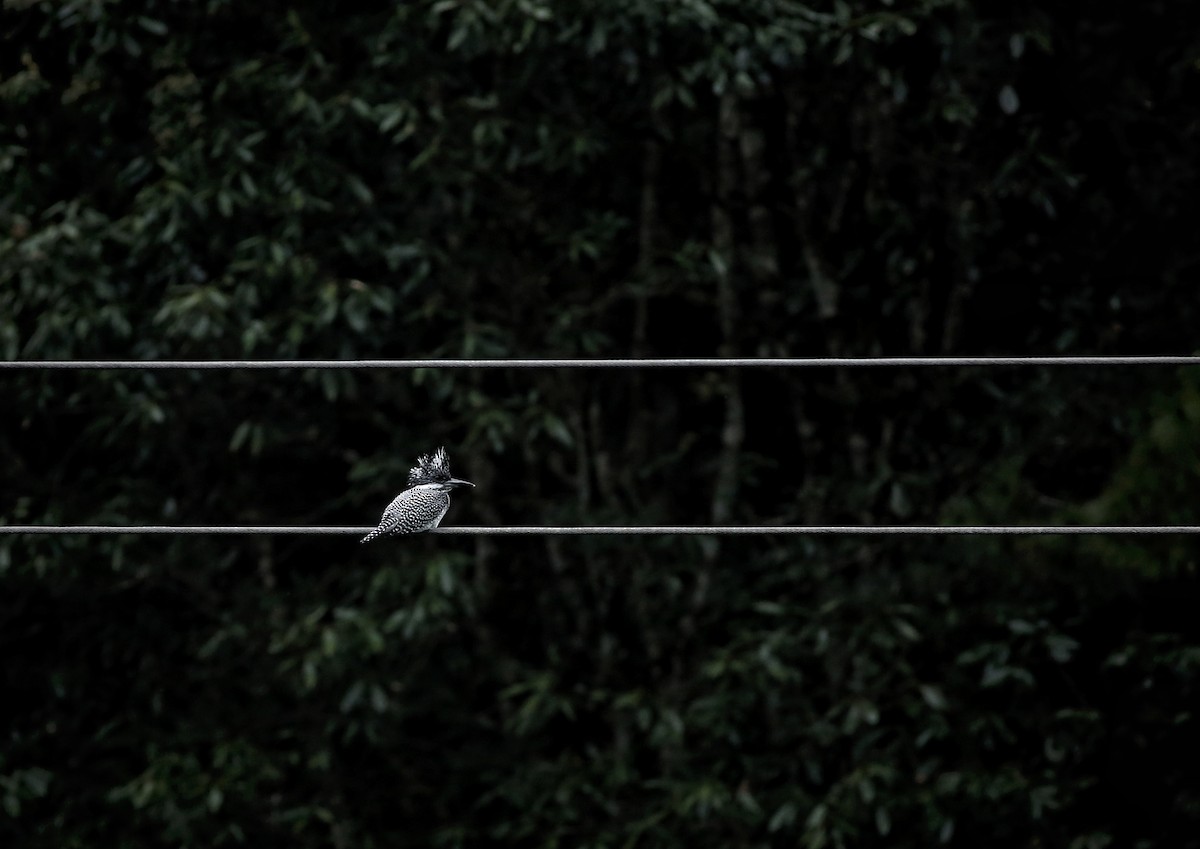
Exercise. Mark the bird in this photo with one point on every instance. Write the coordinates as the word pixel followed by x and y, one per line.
pixel 423 504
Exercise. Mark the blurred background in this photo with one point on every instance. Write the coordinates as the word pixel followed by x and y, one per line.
pixel 521 178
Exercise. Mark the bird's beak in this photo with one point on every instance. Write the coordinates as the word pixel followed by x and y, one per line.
pixel 457 482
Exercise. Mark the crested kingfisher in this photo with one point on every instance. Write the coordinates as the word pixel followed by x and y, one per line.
pixel 423 504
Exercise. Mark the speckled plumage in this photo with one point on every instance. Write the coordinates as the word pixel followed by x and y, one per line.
pixel 421 506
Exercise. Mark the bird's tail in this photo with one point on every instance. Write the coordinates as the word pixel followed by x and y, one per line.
pixel 371 536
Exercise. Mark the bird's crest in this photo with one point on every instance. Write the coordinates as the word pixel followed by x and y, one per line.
pixel 430 468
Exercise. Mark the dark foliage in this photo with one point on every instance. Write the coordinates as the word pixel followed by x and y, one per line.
pixel 451 178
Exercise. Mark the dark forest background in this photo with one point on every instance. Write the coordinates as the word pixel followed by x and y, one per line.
pixel 522 178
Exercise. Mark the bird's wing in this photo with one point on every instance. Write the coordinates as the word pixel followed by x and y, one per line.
pixel 394 511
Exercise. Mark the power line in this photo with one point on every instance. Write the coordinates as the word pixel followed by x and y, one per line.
pixel 680 362
pixel 630 530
